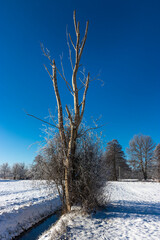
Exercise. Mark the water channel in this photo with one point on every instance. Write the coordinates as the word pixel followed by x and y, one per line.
pixel 39 228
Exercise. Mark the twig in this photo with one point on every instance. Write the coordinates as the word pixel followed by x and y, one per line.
pixel 61 58
pixel 51 116
pixel 70 52
pixel 44 52
pixel 72 41
pixel 89 129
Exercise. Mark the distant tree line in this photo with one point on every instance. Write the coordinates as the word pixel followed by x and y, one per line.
pixel 142 162
pixel 18 171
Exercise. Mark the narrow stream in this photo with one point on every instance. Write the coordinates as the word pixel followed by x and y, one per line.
pixel 38 229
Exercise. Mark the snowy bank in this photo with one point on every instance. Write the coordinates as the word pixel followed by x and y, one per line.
pixel 133 213
pixel 23 204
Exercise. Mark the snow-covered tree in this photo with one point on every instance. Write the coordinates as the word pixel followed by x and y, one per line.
pixel 37 169
pixel 19 171
pixel 140 153
pixel 4 170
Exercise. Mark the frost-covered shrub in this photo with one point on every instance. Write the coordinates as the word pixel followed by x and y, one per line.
pixel 86 175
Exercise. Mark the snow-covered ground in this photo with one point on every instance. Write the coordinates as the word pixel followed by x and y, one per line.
pixel 133 213
pixel 24 203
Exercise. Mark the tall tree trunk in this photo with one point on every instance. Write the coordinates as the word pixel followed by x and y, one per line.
pixel 145 175
pixel 69 148
pixel 67 195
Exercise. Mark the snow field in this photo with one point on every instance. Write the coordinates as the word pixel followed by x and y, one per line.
pixel 24 203
pixel 133 213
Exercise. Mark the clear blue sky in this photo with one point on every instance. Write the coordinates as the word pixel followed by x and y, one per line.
pixel 123 43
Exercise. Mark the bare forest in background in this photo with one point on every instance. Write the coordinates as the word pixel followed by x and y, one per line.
pixel 116 166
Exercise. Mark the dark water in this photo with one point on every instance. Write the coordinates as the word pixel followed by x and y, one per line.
pixel 36 231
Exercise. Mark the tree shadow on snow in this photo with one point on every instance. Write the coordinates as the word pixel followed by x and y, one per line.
pixel 126 209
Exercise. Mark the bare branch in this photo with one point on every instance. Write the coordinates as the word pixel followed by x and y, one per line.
pixel 31 115
pixel 96 78
pixel 61 58
pixel 84 96
pixel 81 87
pixel 74 20
pixel 46 54
pixel 82 81
pixel 72 41
pixel 62 76
pixel 84 40
pixel 83 73
pixel 74 76
pixel 78 27
pixel 77 51
pixel 67 83
pixel 69 115
pixel 59 104
pixel 51 116
pixel 80 105
pixel 96 121
pixel 70 52
pixel 48 71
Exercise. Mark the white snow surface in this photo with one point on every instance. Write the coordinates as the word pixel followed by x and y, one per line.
pixel 132 213
pixel 24 203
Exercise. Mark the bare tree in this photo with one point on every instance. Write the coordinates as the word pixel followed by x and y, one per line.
pixel 75 119
pixel 115 161
pixel 140 152
pixel 5 170
pixel 157 159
